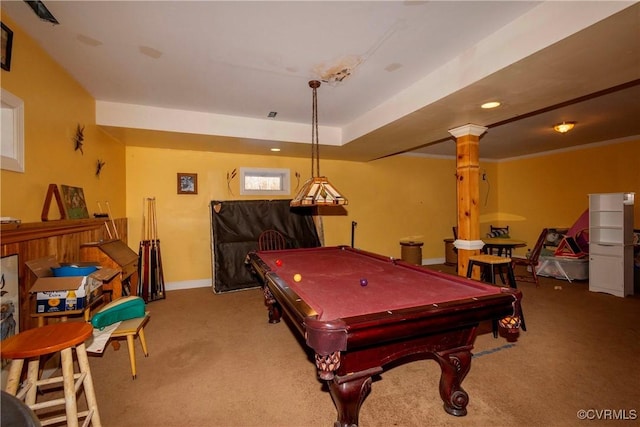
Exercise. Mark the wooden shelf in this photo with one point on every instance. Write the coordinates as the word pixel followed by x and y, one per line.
pixel 12 233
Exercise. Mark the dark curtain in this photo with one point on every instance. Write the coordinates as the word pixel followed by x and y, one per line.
pixel 235 227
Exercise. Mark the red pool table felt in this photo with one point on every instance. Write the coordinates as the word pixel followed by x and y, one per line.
pixel 330 282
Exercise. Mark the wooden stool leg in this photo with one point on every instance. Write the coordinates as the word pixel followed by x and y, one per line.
pixel 143 342
pixel 13 380
pixel 71 406
pixel 33 372
pixel 470 269
pixel 89 391
pixel 132 355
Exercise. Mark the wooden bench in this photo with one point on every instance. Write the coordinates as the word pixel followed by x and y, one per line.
pixel 130 329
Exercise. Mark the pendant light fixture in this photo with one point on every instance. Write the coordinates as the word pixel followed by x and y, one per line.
pixel 564 127
pixel 317 191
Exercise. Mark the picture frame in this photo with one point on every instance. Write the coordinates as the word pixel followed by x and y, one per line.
pixel 7 46
pixel 187 183
pixel 10 302
pixel 74 202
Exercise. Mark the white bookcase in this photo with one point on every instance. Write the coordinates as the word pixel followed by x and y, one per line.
pixel 611 243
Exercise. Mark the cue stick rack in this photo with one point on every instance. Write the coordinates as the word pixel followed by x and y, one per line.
pixel 151 277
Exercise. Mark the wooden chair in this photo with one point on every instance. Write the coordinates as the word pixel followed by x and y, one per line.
pixel 531 261
pixel 270 240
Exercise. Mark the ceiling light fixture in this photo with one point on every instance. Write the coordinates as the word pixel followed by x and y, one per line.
pixel 275 150
pixel 317 191
pixel 564 127
pixel 489 105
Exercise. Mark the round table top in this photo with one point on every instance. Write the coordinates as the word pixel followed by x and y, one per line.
pixel 45 340
pixel 503 241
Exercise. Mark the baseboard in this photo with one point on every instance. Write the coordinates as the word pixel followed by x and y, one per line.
pixel 431 261
pixel 188 284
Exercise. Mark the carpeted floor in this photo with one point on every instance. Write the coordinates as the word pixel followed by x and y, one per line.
pixel 216 361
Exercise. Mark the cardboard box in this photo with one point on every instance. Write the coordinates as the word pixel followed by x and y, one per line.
pixel 60 294
pixel 557 267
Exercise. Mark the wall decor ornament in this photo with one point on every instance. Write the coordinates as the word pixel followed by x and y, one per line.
pixel 78 138
pixel 99 165
pixel 230 176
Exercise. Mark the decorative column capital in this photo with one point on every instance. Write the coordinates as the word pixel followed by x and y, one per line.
pixel 469 129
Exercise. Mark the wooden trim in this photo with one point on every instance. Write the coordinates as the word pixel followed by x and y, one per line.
pixel 13 233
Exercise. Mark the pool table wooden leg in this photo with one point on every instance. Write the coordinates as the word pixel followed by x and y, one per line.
pixel 348 392
pixel 275 312
pixel 455 366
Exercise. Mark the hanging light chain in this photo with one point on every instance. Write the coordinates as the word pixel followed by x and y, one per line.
pixel 315 144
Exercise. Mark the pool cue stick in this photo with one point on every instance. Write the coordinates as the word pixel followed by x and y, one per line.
pixel 353 229
pixel 113 223
pixel 106 224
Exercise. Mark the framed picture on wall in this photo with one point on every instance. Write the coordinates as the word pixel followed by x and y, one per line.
pixel 10 302
pixel 7 45
pixel 187 183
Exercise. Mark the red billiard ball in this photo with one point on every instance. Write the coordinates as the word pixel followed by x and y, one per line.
pixel 364 282
pixel 279 262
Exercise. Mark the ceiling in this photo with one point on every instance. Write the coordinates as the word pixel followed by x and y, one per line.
pixel 396 75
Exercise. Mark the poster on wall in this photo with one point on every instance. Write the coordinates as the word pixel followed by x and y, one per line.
pixel 10 303
pixel 74 202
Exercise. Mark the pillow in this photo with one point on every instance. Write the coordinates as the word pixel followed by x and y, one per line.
pixel 124 308
pixel 498 232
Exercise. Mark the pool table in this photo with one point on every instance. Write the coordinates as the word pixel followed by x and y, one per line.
pixel 360 312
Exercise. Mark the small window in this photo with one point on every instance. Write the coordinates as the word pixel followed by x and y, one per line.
pixel 264 181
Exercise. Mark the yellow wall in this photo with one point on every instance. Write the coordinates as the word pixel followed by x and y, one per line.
pixel 390 199
pixel 552 190
pixel 54 105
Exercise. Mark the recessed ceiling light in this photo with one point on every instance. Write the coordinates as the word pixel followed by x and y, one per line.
pixel 275 150
pixel 488 105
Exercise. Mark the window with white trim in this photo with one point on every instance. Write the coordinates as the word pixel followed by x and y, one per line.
pixel 265 181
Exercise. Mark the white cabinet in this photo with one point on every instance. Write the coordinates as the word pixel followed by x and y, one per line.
pixel 611 243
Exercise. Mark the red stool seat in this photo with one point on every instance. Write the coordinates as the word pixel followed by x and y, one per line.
pixel 45 340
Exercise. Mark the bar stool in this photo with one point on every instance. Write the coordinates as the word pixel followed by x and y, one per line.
pixel 50 339
pixel 488 264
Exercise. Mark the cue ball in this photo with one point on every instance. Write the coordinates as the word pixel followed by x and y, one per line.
pixel 297 277
pixel 279 262
pixel 364 282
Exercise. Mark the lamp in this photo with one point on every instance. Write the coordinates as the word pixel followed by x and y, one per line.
pixel 317 190
pixel 564 127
